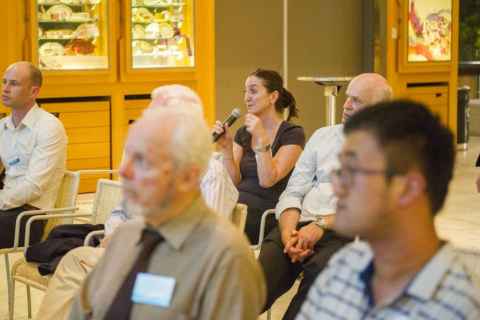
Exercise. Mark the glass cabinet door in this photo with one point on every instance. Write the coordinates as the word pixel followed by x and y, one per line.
pixel 162 34
pixel 72 34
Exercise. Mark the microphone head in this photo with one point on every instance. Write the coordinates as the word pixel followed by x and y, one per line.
pixel 236 113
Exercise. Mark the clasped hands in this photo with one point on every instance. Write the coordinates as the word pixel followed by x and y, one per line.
pixel 299 244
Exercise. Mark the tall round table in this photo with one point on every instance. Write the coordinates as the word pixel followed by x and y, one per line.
pixel 332 87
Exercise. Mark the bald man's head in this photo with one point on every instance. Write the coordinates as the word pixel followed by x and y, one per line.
pixel 364 90
pixel 31 71
pixel 21 85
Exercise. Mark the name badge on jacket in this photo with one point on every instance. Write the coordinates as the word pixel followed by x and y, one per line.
pixel 13 161
pixel 153 289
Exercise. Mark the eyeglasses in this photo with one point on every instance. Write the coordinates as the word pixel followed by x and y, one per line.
pixel 346 174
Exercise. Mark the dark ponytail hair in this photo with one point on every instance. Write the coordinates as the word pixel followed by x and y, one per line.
pixel 274 82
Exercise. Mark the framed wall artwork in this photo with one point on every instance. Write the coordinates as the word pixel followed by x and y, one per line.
pixel 426 44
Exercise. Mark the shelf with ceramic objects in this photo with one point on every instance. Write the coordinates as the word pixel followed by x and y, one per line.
pixel 72 35
pixel 161 34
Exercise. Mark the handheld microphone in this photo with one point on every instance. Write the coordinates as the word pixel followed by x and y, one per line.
pixel 229 121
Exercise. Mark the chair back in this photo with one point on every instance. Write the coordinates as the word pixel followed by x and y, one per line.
pixel 68 191
pixel 239 216
pixel 66 198
pixel 107 197
pixel 263 227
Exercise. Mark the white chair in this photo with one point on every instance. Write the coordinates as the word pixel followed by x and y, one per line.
pixel 65 202
pixel 107 196
pixel 92 172
pixel 263 226
pixel 261 236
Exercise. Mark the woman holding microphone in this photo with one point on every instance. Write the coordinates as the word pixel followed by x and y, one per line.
pixel 261 156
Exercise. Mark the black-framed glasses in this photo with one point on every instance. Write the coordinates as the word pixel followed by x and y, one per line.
pixel 346 174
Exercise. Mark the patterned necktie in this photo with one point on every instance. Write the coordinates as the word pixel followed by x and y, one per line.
pixel 121 306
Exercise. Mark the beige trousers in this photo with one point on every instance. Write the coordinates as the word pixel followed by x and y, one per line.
pixel 67 279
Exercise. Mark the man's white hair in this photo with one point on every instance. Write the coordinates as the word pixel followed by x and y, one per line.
pixel 383 93
pixel 377 86
pixel 176 96
pixel 191 141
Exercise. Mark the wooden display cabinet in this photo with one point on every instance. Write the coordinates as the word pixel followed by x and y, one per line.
pixel 96 105
pixel 414 72
pixel 435 96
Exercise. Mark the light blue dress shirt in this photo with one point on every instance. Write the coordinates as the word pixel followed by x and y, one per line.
pixel 309 188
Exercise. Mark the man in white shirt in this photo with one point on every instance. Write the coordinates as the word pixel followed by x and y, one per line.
pixel 218 192
pixel 33 147
pixel 302 242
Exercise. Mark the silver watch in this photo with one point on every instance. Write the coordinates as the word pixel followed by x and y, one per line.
pixel 321 222
pixel 264 148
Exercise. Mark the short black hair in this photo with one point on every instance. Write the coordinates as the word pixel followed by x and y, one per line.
pixel 411 136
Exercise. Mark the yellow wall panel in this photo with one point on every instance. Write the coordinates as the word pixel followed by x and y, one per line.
pixel 88 163
pixel 430 97
pixel 87 125
pixel 434 97
pixel 136 104
pixel 85 119
pixel 90 184
pixel 88 135
pixel 80 106
pixel 88 150
pixel 441 111
pixel 132 114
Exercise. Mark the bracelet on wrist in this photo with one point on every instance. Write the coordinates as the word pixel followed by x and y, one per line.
pixel 264 148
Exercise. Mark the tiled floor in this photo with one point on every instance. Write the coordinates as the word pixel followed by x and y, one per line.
pixel 459 222
pixel 460 219
pixel 84 204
